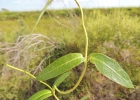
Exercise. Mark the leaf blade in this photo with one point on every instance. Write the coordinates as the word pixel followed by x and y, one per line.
pixel 41 95
pixel 60 66
pixel 61 78
pixel 111 69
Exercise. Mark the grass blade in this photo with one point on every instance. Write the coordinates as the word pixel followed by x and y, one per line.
pixel 111 69
pixel 41 14
pixel 85 97
pixel 60 66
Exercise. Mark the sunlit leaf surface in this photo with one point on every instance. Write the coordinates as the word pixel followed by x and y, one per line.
pixel 111 69
pixel 61 65
pixel 61 78
pixel 41 95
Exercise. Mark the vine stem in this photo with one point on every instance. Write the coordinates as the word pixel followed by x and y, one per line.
pixel 53 92
pixel 86 55
pixel 28 74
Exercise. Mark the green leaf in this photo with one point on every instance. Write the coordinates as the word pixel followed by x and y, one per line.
pixel 41 95
pixel 44 97
pixel 60 66
pixel 85 97
pixel 111 69
pixel 61 78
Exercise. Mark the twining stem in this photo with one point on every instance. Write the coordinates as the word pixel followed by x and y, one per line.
pixel 85 31
pixel 28 74
pixel 53 92
pixel 86 53
pixel 32 77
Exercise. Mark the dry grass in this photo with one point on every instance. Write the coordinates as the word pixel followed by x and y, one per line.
pixel 28 53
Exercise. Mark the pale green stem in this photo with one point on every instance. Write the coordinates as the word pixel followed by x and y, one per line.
pixel 28 74
pixel 86 53
pixel 85 31
pixel 53 92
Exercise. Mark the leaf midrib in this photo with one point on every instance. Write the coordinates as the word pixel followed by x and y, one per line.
pixel 112 70
pixel 62 65
pixel 46 92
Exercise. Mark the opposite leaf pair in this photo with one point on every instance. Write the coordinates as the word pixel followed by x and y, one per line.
pixel 104 64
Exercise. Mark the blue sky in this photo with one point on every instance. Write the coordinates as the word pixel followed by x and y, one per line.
pixel 27 5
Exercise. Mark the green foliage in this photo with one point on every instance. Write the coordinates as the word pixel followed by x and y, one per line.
pixel 61 78
pixel 14 88
pixel 111 69
pixel 9 15
pixel 113 32
pixel 60 66
pixel 41 95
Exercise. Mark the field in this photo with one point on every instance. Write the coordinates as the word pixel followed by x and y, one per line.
pixel 114 32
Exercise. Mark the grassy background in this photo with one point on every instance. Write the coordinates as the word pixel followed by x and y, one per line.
pixel 114 32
